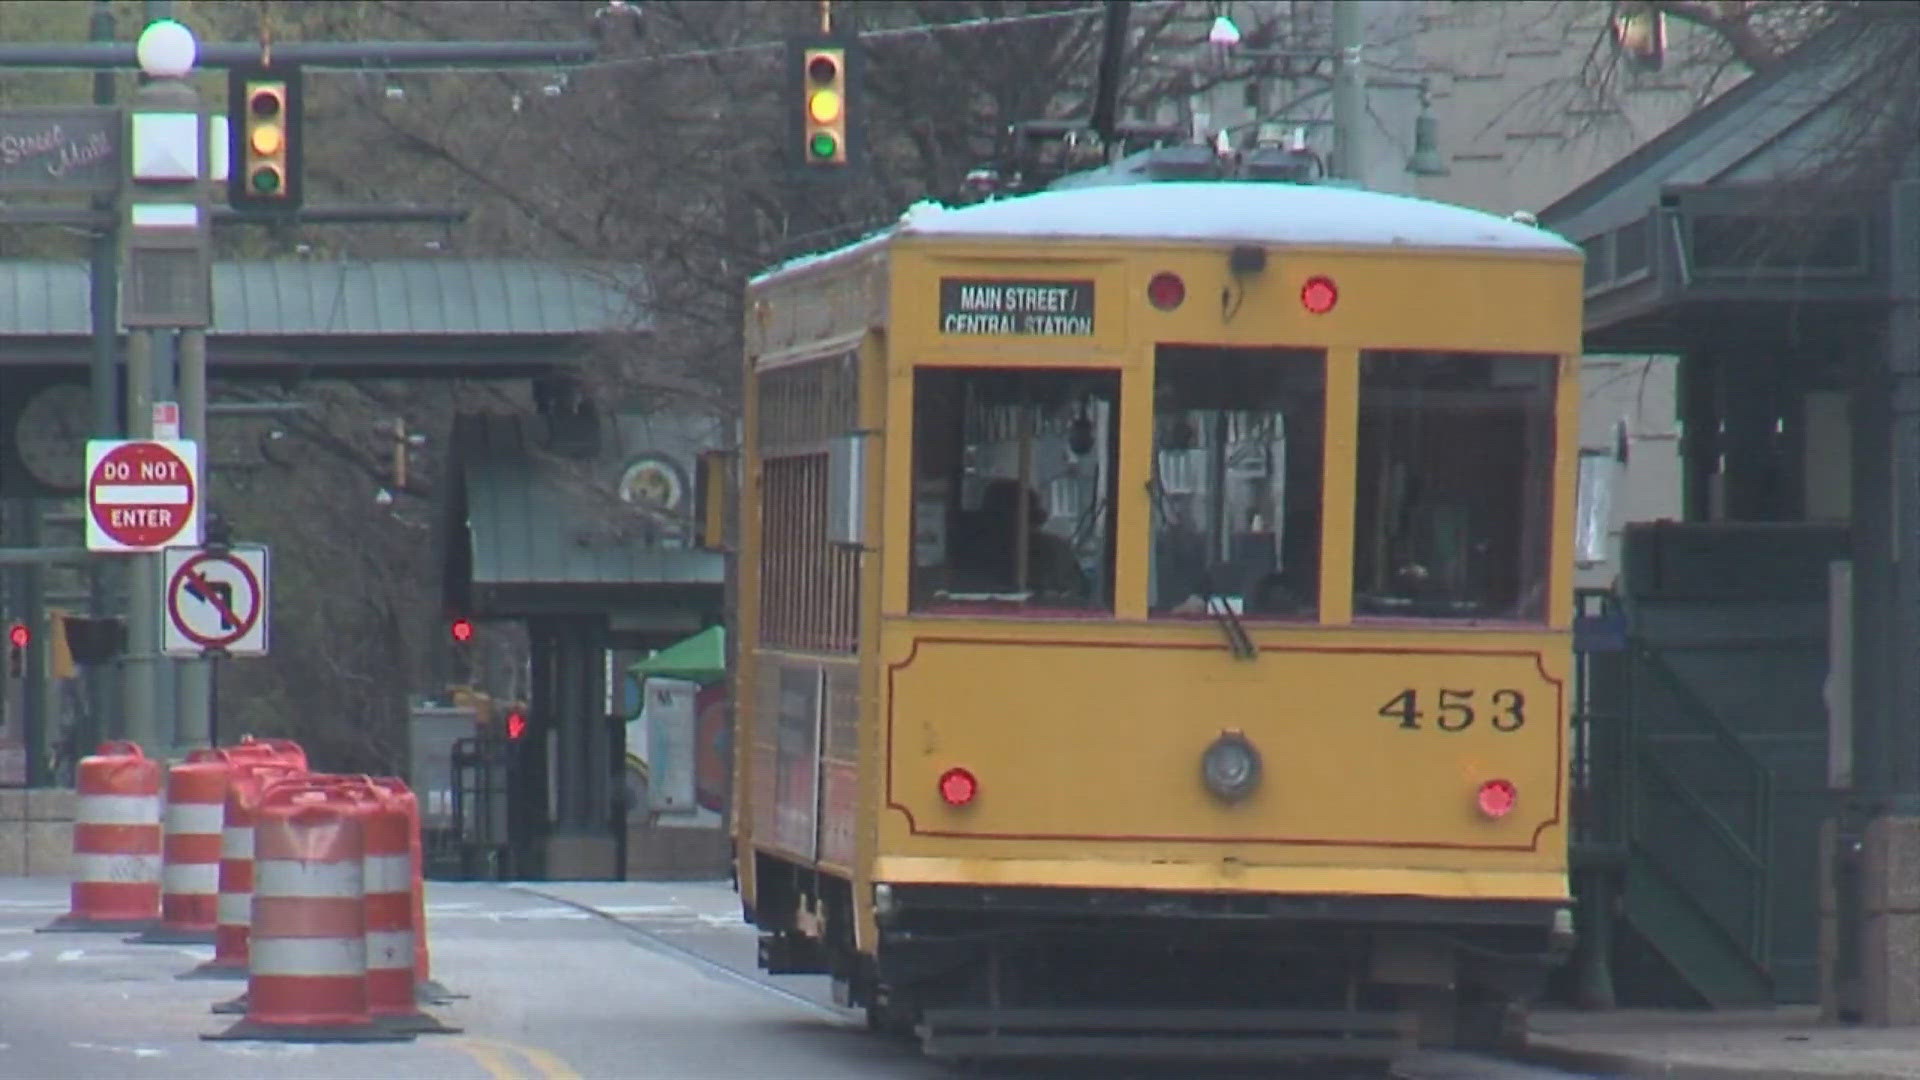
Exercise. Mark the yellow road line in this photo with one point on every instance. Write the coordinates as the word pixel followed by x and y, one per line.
pixel 493 1055
pixel 549 1063
pixel 496 1065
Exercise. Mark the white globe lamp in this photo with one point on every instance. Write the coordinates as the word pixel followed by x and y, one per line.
pixel 166 50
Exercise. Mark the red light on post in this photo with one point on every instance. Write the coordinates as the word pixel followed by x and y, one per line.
pixel 958 787
pixel 19 636
pixel 462 630
pixel 1319 295
pixel 516 724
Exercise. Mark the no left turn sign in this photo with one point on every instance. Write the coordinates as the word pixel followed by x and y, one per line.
pixel 215 600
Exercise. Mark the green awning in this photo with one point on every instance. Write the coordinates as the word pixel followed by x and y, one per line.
pixel 700 658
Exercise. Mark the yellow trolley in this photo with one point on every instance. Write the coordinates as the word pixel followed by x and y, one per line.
pixel 1154 618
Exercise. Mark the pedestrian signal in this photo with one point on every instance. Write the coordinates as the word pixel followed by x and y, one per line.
pixel 516 724
pixel 462 630
pixel 18 638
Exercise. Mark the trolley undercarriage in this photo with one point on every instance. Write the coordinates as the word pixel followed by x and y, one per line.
pixel 1014 972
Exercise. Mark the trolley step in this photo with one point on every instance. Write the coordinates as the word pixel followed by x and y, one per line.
pixel 1189 1034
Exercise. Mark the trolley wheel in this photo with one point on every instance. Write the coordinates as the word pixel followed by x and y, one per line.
pixel 1487 1021
pixel 890 1020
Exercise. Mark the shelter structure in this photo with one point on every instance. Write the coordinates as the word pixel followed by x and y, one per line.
pixel 1754 722
pixel 534 531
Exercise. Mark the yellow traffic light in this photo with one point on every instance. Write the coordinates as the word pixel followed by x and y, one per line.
pixel 264 147
pixel 266 166
pixel 825 87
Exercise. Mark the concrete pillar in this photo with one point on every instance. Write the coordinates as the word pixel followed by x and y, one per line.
pixel 1890 924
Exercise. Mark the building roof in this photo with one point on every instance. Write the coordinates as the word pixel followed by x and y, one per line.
pixel 1744 134
pixel 528 522
pixel 387 298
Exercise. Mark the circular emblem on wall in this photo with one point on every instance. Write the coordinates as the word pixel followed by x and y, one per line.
pixel 653 482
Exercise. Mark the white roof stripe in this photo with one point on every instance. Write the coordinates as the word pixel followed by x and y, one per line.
pixel 1222 212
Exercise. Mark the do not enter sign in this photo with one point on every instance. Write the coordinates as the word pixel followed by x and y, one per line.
pixel 142 495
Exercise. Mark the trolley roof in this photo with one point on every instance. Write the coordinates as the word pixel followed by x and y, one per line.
pixel 1218 212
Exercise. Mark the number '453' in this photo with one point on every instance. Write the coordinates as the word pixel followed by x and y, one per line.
pixel 1457 710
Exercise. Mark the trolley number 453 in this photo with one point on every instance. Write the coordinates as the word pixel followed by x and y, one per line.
pixel 1457 710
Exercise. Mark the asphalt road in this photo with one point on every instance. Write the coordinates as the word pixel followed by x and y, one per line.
pixel 561 982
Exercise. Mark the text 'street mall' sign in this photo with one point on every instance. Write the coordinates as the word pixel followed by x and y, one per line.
pixel 1016 308
pixel 73 149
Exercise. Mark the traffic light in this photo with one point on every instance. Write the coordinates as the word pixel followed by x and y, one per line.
pixel 1640 32
pixel 826 132
pixel 462 630
pixel 263 139
pixel 92 640
pixel 516 724
pixel 18 638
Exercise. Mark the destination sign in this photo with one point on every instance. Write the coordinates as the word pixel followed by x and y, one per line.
pixel 1016 307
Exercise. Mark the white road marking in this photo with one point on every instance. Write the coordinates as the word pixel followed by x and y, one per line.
pixel 136 1051
pixel 69 956
pixel 16 956
pixel 266 1049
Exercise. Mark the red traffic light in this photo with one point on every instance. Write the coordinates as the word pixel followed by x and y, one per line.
pixel 516 724
pixel 463 630
pixel 18 635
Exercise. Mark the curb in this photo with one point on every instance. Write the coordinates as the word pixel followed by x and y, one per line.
pixel 1626 1066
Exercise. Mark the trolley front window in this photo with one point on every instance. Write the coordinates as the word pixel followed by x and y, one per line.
pixel 1013 490
pixel 1236 481
pixel 1454 492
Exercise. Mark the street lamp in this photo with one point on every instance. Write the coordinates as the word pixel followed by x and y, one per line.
pixel 165 241
pixel 166 50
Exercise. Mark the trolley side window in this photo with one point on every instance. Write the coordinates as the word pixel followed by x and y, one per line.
pixel 1235 487
pixel 1013 490
pixel 1454 492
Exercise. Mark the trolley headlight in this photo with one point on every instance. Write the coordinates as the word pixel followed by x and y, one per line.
pixel 1230 768
pixel 882 900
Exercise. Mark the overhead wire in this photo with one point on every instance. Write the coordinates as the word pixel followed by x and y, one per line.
pixel 985 22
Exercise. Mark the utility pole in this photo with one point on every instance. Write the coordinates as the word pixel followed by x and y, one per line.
pixel 1349 90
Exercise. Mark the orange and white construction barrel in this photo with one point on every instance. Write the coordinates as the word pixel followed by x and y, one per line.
pixel 391 929
pixel 283 751
pixel 307 978
pixel 425 989
pixel 194 820
pixel 234 906
pixel 115 871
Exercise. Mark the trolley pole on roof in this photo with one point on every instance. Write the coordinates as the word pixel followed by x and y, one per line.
pixel 1349 90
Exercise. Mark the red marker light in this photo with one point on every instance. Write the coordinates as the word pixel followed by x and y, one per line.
pixel 462 630
pixel 1497 798
pixel 1319 295
pixel 516 725
pixel 1166 291
pixel 18 635
pixel 958 787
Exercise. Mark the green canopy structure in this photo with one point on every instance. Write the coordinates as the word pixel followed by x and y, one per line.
pixel 701 658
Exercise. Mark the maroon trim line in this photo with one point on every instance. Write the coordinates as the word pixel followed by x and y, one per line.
pixel 1532 844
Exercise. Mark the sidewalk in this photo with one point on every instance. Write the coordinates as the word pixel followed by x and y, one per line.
pixel 1777 1044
